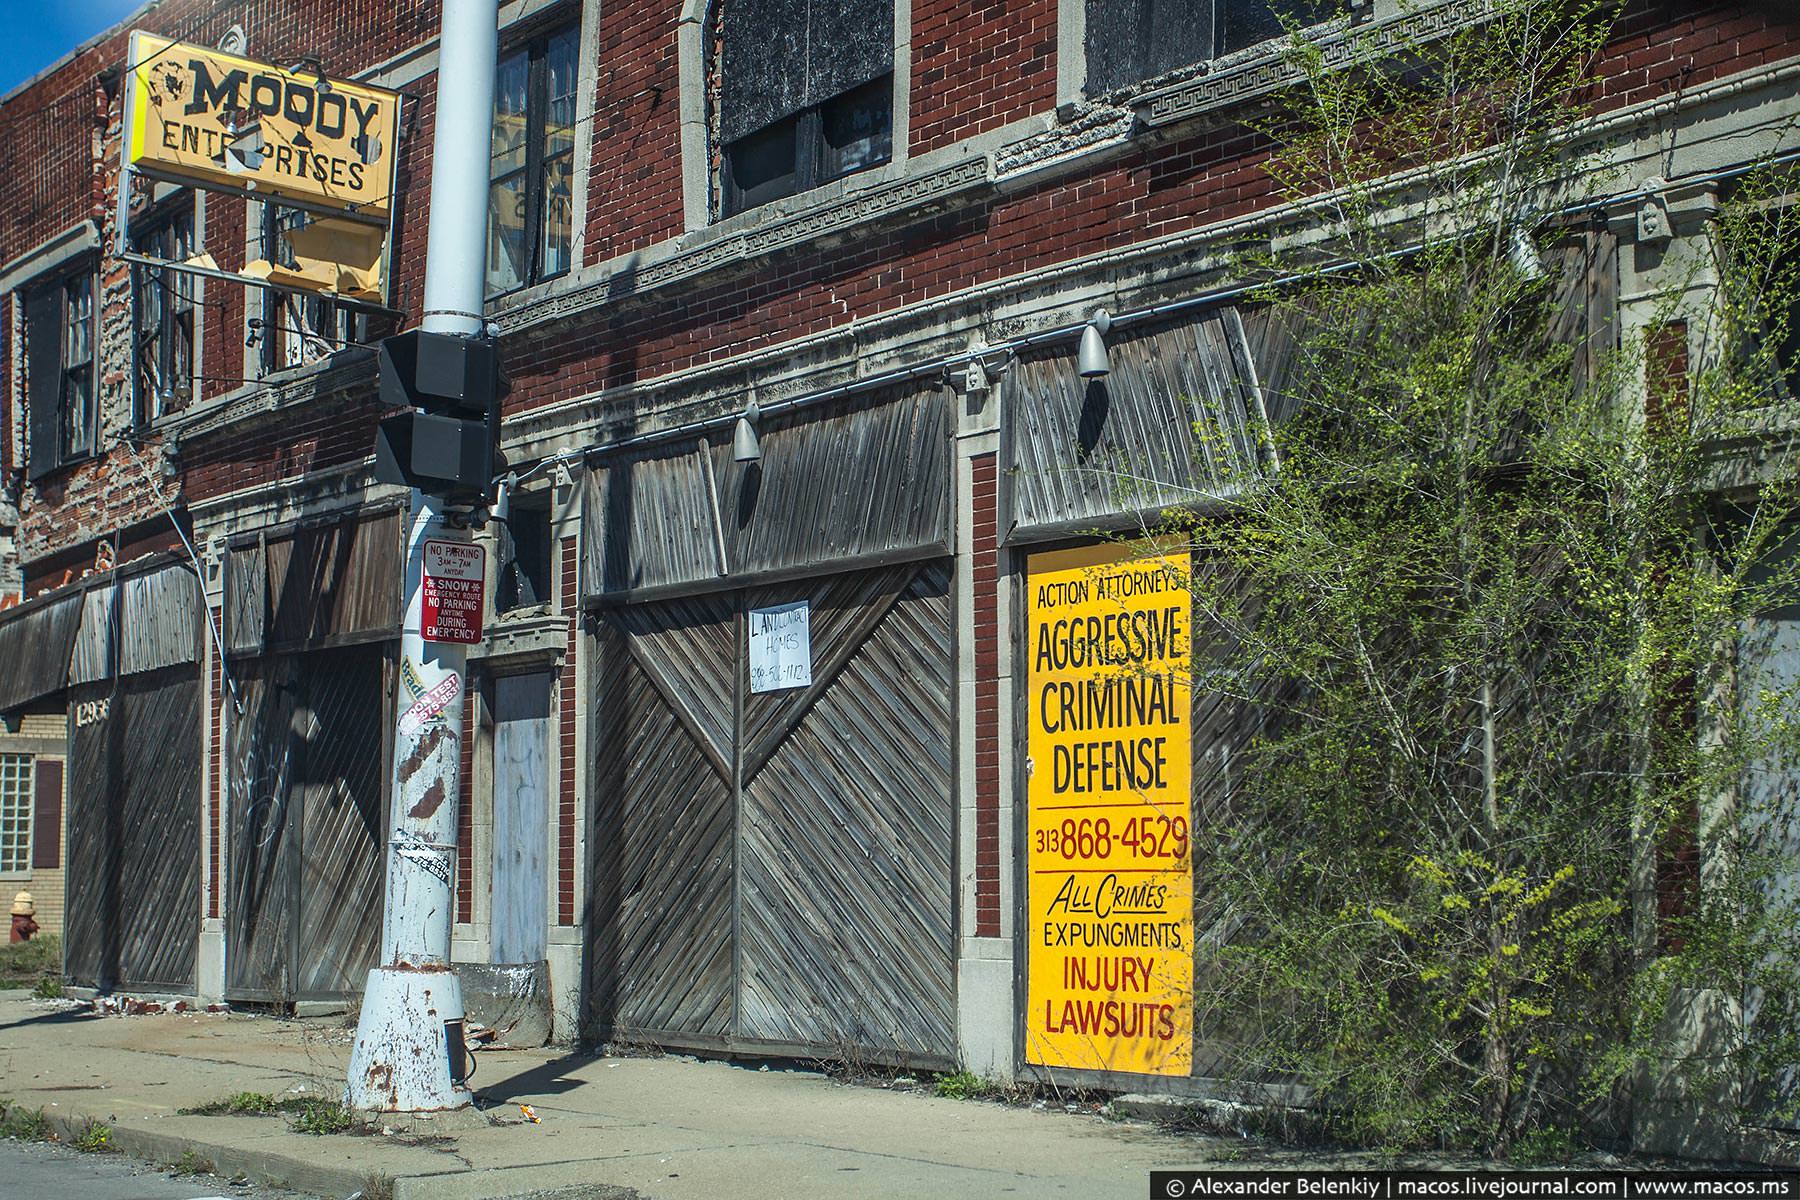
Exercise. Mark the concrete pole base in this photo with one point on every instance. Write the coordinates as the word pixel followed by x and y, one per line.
pixel 401 1062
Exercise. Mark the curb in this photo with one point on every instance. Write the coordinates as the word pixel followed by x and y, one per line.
pixel 259 1166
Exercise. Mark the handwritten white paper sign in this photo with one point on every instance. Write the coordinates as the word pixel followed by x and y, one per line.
pixel 781 647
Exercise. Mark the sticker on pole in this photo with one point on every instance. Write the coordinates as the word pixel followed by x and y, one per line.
pixel 451 607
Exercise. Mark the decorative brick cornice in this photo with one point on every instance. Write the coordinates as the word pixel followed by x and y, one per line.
pixel 912 197
pixel 1339 48
pixel 1095 128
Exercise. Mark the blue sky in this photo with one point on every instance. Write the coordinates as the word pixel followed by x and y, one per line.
pixel 38 32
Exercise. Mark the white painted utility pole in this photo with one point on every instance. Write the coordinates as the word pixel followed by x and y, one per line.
pixel 408 1054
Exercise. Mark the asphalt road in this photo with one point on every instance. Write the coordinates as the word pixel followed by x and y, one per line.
pixel 36 1171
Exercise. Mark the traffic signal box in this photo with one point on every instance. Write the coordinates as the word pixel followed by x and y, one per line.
pixel 449 444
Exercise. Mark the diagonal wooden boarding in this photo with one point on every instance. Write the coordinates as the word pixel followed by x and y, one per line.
pixel 262 838
pixel 660 918
pixel 845 609
pixel 87 894
pixel 341 828
pixel 133 916
pixel 159 795
pixel 848 937
pixel 686 649
pixel 844 828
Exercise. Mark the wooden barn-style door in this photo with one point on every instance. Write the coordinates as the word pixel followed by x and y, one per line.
pixel 134 833
pixel 307 773
pixel 774 870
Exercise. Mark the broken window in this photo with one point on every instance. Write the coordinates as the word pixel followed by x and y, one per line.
pixel 59 365
pixel 532 171
pixel 162 316
pixel 806 95
pixel 1129 41
pixel 524 554
pixel 297 329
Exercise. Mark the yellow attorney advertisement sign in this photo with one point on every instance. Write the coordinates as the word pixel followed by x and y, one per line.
pixel 1110 895
pixel 215 120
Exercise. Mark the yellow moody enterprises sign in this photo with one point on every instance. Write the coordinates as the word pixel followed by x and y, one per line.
pixel 1110 867
pixel 201 116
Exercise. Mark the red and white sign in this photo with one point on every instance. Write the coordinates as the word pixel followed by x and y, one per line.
pixel 454 574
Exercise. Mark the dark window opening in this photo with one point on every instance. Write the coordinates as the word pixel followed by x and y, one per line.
pixel 59 368
pixel 162 317
pixel 857 129
pixel 524 554
pixel 846 134
pixel 532 169
pixel 1244 23
pixel 806 95
pixel 297 329
pixel 1129 41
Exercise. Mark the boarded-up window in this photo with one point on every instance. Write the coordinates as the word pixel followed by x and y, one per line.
pixel 806 94
pixel 1180 420
pixel 1129 41
pixel 46 825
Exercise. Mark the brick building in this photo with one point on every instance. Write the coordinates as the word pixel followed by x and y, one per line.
pixel 880 229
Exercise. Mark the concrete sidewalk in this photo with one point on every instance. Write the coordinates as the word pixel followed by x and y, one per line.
pixel 665 1127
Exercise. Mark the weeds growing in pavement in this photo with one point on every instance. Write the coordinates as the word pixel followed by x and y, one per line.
pixel 320 1117
pixel 191 1162
pixel 93 1137
pixel 21 1123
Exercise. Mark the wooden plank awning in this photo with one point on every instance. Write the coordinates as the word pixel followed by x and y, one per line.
pixel 860 481
pixel 35 641
pixel 321 583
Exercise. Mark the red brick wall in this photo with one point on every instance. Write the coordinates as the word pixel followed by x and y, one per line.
pixel 985 552
pixel 976 68
pixel 634 185
pixel 568 703
pixel 313 437
pixel 971 71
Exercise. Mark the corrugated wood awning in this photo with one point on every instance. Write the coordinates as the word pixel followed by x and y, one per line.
pixel 1178 421
pixel 322 583
pixel 861 481
pixel 35 640
pixel 92 658
pixel 159 619
pixel 143 618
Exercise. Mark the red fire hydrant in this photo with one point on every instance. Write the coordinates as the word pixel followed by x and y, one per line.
pixel 23 926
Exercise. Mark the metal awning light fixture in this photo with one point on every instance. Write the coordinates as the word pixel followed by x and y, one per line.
pixel 746 447
pixel 1091 359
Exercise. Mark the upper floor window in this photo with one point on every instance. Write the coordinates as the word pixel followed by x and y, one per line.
pixel 532 172
pixel 1129 41
pixel 806 95
pixel 59 367
pixel 298 329
pixel 162 316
